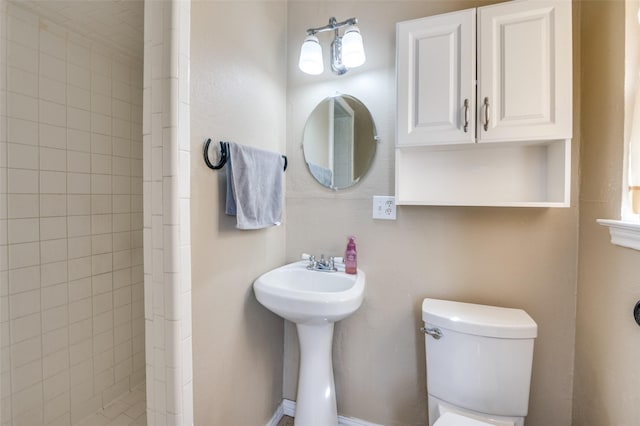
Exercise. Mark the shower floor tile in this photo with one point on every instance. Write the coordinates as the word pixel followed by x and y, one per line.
pixel 128 410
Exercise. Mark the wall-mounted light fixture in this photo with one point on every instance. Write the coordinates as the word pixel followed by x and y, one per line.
pixel 346 51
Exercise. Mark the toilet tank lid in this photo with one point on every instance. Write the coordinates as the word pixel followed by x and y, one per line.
pixel 481 320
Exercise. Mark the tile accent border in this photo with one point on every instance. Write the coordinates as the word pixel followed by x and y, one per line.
pixel 167 241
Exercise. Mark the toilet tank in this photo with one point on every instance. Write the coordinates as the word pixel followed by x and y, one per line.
pixel 483 360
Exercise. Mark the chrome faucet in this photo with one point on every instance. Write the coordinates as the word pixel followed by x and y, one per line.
pixel 322 265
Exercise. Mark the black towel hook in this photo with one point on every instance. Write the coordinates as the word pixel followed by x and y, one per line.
pixel 224 155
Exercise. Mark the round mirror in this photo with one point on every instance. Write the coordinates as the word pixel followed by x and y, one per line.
pixel 339 141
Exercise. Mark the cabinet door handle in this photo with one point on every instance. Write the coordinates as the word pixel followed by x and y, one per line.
pixel 466 115
pixel 486 114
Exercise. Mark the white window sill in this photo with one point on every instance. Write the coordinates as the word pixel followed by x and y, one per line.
pixel 625 234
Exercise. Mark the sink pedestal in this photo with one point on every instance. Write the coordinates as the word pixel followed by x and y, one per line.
pixel 316 400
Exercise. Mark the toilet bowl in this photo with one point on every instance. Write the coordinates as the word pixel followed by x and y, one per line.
pixel 479 361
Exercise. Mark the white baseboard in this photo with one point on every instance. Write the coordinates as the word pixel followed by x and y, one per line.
pixel 288 408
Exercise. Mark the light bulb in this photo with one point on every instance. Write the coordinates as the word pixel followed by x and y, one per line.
pixel 311 56
pixel 352 48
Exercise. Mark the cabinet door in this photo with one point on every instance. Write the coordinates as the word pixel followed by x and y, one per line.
pixel 524 71
pixel 436 79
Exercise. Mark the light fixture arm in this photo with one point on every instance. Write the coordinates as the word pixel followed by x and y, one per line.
pixel 333 25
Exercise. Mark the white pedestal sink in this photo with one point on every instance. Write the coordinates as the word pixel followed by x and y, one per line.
pixel 314 301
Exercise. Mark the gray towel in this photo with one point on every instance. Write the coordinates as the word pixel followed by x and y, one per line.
pixel 254 186
pixel 322 174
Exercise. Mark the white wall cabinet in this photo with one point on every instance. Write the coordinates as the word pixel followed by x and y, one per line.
pixel 484 106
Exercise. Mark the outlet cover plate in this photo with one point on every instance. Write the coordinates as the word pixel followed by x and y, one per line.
pixel 384 207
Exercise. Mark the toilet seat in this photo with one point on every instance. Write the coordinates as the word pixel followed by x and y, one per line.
pixel 452 419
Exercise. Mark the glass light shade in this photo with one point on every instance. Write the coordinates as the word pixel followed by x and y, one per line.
pixel 352 48
pixel 311 56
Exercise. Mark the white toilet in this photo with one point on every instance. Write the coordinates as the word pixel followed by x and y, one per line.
pixel 478 363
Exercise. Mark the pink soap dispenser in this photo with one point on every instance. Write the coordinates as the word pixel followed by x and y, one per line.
pixel 351 257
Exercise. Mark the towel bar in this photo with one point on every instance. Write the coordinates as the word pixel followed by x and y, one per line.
pixel 224 155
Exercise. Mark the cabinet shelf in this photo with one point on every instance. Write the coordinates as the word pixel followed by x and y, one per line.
pixel 498 175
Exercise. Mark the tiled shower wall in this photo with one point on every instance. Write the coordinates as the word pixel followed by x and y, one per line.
pixel 71 274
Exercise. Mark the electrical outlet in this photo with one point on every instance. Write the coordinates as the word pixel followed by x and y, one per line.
pixel 384 207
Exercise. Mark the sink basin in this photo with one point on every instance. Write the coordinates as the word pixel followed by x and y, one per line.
pixel 303 296
pixel 314 301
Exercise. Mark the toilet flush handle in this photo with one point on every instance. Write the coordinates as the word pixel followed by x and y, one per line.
pixel 433 332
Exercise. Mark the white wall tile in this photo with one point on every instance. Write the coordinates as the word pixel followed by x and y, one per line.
pixel 22 131
pixel 23 279
pixel 79 268
pixel 22 181
pixel 78 183
pixel 21 255
pixel 101 244
pixel 53 182
pixel 53 136
pixel 79 76
pixel 22 206
pixel 22 82
pixel 23 230
pixel 53 205
pixel 101 164
pixel 53 273
pixel 81 351
pixel 102 323
pixel 22 32
pixel 55 385
pixel 52 90
pixel 22 57
pixel 101 224
pixel 53 44
pixel 102 283
pixel 79 289
pixel 121 147
pixel 23 304
pixel 26 375
pixel 53 250
pixel 20 156
pixel 79 162
pixel 101 204
pixel 52 113
pixel 26 351
pixel 78 225
pixel 53 159
pixel 78 98
pixel 25 327
pixel 53 68
pixel 101 124
pixel 22 107
pixel 79 311
pixel 55 363
pixel 55 295
pixel 56 320
pixel 57 338
pixel 52 228
pixel 100 143
pixel 78 119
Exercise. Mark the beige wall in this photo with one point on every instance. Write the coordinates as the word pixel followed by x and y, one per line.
pixel 606 388
pixel 524 258
pixel 238 88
